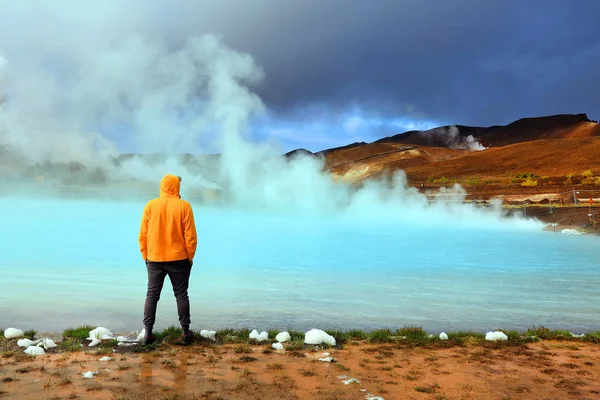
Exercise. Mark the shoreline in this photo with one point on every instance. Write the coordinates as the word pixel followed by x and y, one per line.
pixel 241 335
pixel 380 365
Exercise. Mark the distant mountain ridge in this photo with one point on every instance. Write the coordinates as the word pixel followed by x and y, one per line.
pixel 549 146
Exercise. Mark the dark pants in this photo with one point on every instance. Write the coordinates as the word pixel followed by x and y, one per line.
pixel 179 274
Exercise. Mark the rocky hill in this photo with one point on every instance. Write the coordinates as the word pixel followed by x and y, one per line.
pixel 531 155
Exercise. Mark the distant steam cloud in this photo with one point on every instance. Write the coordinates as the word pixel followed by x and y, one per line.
pixel 90 85
pixel 451 137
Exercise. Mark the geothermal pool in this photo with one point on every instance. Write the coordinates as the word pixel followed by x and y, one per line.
pixel 69 262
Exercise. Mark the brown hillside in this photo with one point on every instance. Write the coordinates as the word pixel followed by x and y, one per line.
pixel 551 158
pixel 371 160
pixel 531 156
pixel 524 130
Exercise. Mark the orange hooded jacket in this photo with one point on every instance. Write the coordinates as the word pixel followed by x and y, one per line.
pixel 168 230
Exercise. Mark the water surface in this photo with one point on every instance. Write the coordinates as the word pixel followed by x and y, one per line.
pixel 66 263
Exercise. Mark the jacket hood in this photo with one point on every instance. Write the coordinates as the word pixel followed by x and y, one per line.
pixel 169 186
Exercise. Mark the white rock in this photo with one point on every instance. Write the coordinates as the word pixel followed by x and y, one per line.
pixel 34 351
pixel 259 337
pixel 95 342
pixel 351 380
pixel 497 335
pixel 106 358
pixel 26 342
pixel 443 336
pixel 46 343
pixel 100 333
pixel 88 374
pixel 283 337
pixel 208 334
pixel 13 333
pixel 374 398
pixel 123 339
pixel 317 336
pixel 327 359
pixel 571 232
pixel 125 344
pixel 574 335
pixel 277 346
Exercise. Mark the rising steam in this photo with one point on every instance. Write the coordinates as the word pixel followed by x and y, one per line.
pixel 93 87
pixel 451 137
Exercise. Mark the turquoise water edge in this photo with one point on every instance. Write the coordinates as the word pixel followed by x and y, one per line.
pixel 70 262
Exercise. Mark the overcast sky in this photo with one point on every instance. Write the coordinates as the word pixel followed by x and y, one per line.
pixel 337 71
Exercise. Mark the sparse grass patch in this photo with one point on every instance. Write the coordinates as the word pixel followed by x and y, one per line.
pixel 593 337
pixel 529 182
pixel 247 359
pixel 8 379
pixel 413 333
pixel 412 375
pixel 544 333
pixel 23 370
pixel 170 334
pixel 70 345
pixel 569 365
pixel 295 345
pixel 233 335
pixel 380 336
pixel 340 337
pixel 296 336
pixel 428 388
pixel 275 366
pixel 342 367
pixel 30 334
pixel 307 372
pixel 357 334
pixel 243 349
pixel 570 385
pixel 168 363
pixel 569 179
pixel 123 366
pixel 94 387
pixel 81 332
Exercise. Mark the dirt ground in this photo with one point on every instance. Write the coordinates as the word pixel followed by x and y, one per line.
pixel 542 370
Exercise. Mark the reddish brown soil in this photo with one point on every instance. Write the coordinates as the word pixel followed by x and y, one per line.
pixel 544 370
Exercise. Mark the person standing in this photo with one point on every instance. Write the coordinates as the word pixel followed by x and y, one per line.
pixel 168 242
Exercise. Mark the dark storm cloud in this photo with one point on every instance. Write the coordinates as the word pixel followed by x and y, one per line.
pixel 463 61
pixel 335 71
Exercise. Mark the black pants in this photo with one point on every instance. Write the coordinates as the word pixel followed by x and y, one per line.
pixel 179 274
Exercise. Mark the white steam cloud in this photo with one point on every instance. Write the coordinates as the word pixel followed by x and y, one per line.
pixel 100 79
pixel 452 138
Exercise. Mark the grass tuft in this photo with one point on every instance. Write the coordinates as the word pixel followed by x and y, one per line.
pixel 544 333
pixel 413 333
pixel 380 336
pixel 30 334
pixel 170 334
pixel 70 345
pixel 233 335
pixel 81 332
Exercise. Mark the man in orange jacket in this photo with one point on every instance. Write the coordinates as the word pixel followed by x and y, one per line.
pixel 168 245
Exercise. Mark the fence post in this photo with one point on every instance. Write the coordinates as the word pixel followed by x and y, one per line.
pixel 574 198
